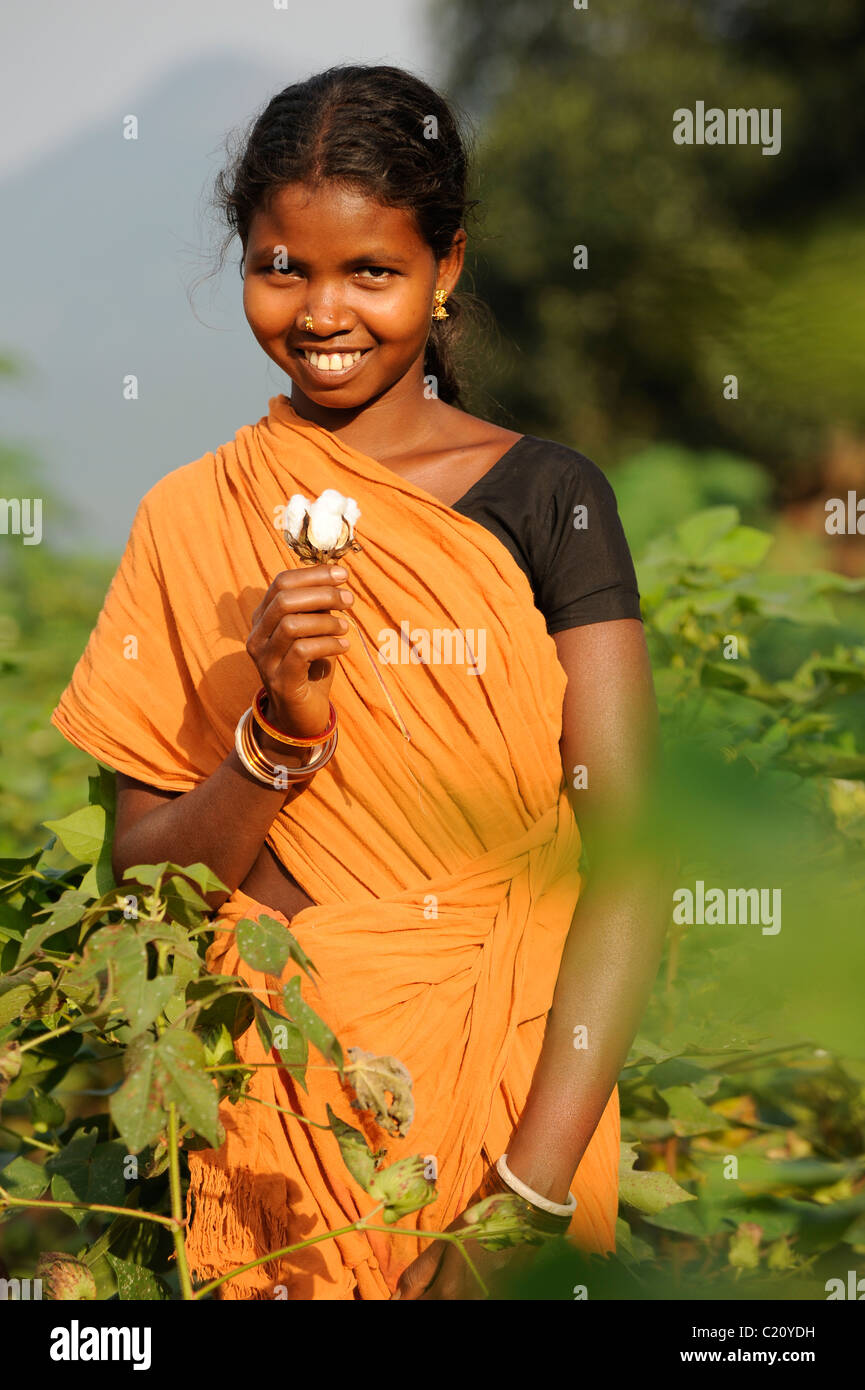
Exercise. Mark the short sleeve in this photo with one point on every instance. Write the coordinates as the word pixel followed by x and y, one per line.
pixel 583 562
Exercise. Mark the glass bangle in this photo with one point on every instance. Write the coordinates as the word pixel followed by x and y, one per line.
pixel 271 774
pixel 266 727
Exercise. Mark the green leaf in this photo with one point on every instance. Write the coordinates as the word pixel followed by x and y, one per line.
pixel 82 834
pixel 263 944
pixel 14 871
pixel 185 1082
pixel 150 874
pixel 24 1179
pixel 278 1034
pixel 704 529
pixel 633 1247
pixel 16 991
pixel 135 1283
pixel 13 926
pixel 689 1114
pixel 696 1218
pixel 642 1048
pixel 312 1027
pixel 742 548
pixel 86 1171
pixel 295 950
pixel 145 1000
pixel 647 1192
pixel 680 1072
pixel 68 910
pixel 203 878
pixel 99 878
pixel 147 874
pixel 137 1109
pixel 45 1111
pixel 184 903
pixel 356 1154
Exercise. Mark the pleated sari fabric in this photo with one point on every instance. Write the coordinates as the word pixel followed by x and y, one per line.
pixel 444 867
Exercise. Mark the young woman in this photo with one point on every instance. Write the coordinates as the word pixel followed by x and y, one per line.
pixel 433 879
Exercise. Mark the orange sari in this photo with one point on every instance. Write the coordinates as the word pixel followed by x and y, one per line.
pixel 444 869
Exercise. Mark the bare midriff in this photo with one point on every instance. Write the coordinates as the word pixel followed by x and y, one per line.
pixel 270 883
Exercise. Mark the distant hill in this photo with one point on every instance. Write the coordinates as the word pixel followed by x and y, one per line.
pixel 107 235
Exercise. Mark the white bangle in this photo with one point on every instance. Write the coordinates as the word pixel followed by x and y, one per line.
pixel 523 1190
pixel 269 773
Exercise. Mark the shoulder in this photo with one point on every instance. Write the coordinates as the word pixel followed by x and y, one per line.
pixel 179 488
pixel 566 489
pixel 184 497
pixel 563 469
pixel 585 572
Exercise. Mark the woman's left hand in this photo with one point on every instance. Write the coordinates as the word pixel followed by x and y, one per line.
pixel 442 1272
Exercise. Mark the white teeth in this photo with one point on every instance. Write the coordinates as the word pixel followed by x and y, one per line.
pixel 332 361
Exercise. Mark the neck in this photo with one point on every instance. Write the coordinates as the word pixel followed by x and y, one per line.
pixel 396 422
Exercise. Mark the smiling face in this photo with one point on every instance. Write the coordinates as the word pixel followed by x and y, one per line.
pixel 366 277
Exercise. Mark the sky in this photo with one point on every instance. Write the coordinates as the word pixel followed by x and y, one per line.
pixel 106 235
pixel 67 66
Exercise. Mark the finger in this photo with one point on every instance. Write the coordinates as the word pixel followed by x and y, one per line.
pixel 411 1285
pixel 294 626
pixel 417 1276
pixel 319 599
pixel 304 577
pixel 292 666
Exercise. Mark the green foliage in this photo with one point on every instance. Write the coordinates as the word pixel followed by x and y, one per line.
pixel 115 984
pixel 48 605
pixel 703 261
pixel 112 1030
pixel 745 1090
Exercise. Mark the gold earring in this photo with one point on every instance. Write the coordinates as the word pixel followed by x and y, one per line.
pixel 308 323
pixel 440 312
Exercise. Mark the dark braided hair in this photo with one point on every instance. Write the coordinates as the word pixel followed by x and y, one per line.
pixel 376 128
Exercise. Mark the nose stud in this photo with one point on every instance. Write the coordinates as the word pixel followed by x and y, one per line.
pixel 308 323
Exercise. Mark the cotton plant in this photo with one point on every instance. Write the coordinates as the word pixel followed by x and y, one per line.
pixel 321 531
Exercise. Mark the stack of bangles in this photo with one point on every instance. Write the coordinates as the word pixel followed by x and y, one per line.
pixel 321 747
pixel 546 1217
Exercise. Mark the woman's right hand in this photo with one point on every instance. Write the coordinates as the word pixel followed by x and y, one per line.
pixel 294 642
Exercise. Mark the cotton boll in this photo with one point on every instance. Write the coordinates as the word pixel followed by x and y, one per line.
pixel 351 512
pixel 331 501
pixel 325 526
pixel 296 510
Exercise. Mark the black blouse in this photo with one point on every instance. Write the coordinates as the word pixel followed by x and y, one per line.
pixel 556 513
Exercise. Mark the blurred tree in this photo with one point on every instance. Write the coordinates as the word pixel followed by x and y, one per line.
pixel 703 261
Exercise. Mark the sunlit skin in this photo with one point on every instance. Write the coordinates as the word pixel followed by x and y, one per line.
pixel 368 280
